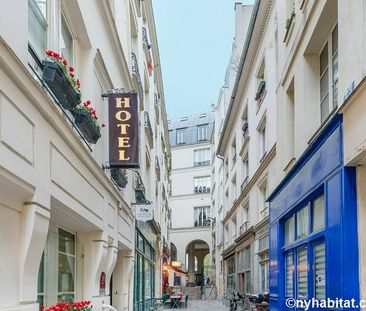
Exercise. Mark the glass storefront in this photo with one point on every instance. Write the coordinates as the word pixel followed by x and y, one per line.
pixel 144 274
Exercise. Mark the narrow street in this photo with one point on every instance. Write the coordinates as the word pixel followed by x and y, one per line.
pixel 208 305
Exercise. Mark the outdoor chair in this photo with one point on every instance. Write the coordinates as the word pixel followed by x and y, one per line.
pixel 184 303
pixel 163 302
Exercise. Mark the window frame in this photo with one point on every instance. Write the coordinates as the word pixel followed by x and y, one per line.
pixel 328 43
pixel 313 239
pixel 202 132
pixel 202 211
pixel 181 136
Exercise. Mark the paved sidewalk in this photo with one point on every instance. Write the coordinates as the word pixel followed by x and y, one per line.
pixel 208 305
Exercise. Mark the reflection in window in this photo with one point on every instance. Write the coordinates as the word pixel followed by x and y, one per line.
pixel 318 213
pixel 66 43
pixel 290 230
pixel 302 219
pixel 37 25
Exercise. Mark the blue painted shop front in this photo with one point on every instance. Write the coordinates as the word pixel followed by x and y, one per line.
pixel 313 226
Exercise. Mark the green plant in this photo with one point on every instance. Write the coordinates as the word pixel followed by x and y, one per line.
pixel 92 112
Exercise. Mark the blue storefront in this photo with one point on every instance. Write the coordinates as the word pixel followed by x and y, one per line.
pixel 313 226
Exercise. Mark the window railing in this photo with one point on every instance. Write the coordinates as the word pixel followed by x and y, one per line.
pixel 202 189
pixel 202 223
pixel 36 68
pixel 136 74
pixel 202 163
pixel 148 127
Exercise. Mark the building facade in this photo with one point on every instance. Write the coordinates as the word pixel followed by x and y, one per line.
pixel 68 229
pixel 190 199
pixel 246 149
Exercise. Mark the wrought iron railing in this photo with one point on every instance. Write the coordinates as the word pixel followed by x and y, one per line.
pixel 136 73
pixel 145 40
pixel 36 68
pixel 244 227
pixel 148 127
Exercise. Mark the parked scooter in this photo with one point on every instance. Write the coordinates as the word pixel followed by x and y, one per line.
pixel 235 297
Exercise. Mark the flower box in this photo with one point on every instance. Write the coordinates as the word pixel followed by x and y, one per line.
pixel 119 177
pixel 59 84
pixel 87 125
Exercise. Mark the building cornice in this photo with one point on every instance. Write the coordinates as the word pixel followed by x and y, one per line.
pixel 251 182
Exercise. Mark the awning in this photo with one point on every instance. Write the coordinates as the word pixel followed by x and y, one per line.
pixel 175 269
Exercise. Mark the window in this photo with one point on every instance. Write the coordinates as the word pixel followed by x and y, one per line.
pixel 202 132
pixel 329 72
pixel 230 281
pixel 262 197
pixel 305 274
pixel 202 157
pixel 289 275
pixel 244 268
pixel 233 151
pixel 262 139
pixel 181 136
pixel 66 266
pixel 201 216
pixel 226 236
pixel 302 221
pixel 37 25
pixel 319 271
pixel 234 223
pixel 263 275
pixel 233 188
pixel 57 271
pixel 66 41
pixel 318 213
pixel 263 256
pixel 302 272
pixel 202 184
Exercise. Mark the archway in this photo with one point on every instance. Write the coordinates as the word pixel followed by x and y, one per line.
pixel 196 252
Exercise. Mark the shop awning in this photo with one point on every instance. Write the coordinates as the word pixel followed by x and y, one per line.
pixel 175 269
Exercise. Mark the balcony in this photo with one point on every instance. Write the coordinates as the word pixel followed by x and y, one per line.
pixel 148 129
pixel 137 79
pixel 202 223
pixel 200 189
pixel 202 163
pixel 157 168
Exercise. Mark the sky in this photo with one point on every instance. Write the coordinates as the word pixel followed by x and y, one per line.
pixel 195 39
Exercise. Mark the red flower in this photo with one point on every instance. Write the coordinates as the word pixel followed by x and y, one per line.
pixel 65 62
pixel 49 53
pixel 88 102
pixel 71 69
pixel 103 125
pixel 96 118
pixel 71 74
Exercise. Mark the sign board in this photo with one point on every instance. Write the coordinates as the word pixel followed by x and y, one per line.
pixel 144 212
pixel 123 130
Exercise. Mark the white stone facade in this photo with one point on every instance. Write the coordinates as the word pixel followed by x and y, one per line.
pixel 55 198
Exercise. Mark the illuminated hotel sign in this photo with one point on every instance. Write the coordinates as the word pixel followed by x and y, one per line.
pixel 123 130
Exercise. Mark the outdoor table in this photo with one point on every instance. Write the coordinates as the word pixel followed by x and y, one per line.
pixel 175 301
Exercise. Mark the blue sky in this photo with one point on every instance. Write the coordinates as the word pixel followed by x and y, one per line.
pixel 195 39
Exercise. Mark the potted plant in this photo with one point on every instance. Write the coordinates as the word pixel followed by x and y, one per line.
pixel 86 120
pixel 71 306
pixel 119 176
pixel 60 78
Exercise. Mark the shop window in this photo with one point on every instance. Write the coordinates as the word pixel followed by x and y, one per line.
pixel 319 271
pixel 289 267
pixel 230 279
pixel 302 273
pixel 263 274
pixel 304 254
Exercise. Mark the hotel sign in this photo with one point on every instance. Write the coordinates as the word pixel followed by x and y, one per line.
pixel 123 130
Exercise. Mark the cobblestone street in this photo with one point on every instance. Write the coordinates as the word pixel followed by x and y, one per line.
pixel 208 305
